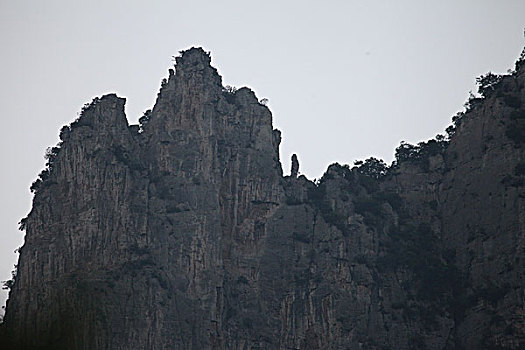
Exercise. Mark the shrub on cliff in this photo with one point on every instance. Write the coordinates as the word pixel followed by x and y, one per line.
pixel 419 154
pixel 144 120
pixel 487 83
pixel 50 155
pixel 229 93
pixel 417 248
pixel 7 285
pixel 521 61
pixel 371 167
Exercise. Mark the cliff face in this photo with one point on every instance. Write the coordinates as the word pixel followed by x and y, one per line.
pixel 183 233
pixel 472 195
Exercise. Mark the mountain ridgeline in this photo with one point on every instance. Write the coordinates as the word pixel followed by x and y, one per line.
pixel 182 232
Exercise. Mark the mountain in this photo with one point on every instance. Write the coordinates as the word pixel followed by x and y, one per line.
pixel 183 233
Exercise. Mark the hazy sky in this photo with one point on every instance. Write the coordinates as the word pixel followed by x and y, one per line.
pixel 345 79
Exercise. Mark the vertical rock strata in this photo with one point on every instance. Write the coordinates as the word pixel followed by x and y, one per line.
pixel 184 234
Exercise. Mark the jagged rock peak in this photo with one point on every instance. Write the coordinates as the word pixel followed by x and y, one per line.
pixel 295 166
pixel 193 57
pixel 104 112
pixel 196 62
pixel 193 72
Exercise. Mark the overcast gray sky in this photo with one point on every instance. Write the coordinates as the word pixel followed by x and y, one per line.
pixel 345 79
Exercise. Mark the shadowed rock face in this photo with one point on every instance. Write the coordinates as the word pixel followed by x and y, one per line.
pixel 184 234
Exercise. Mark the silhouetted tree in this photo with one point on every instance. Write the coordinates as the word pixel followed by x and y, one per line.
pixel 372 167
pixel 487 83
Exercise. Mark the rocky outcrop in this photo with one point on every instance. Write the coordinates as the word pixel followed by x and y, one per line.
pixel 182 233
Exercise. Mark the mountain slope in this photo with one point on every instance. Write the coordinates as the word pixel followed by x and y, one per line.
pixel 183 233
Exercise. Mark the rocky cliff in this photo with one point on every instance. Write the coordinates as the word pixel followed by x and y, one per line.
pixel 182 233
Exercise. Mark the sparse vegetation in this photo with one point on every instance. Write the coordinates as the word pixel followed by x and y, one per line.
pixel 370 207
pixel 420 154
pixel 8 285
pixel 371 167
pixel 520 62
pixel 487 83
pixel 51 156
pixel 144 120
pixel 52 153
pixel 416 248
pixel 317 197
pixel 22 224
pixel 80 121
pixel 229 93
